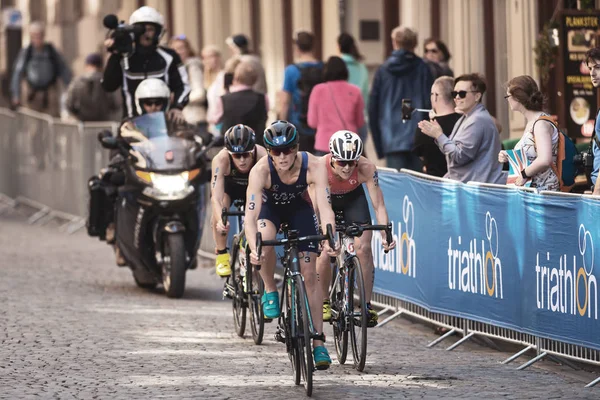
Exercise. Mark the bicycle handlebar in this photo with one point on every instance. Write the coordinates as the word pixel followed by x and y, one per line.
pixel 311 238
pixel 225 213
pixel 355 230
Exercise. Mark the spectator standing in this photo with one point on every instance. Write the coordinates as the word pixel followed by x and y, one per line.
pixel 443 112
pixel 41 65
pixel 357 72
pixel 539 141
pixel 212 63
pixel 472 148
pixel 240 47
pixel 195 111
pixel 437 56
pixel 220 87
pixel 86 99
pixel 404 75
pixel 593 63
pixel 334 105
pixel 243 104
pixel 298 82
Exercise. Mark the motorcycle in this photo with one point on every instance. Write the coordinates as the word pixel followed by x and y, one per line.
pixel 156 218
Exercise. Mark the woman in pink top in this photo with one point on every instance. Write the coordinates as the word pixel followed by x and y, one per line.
pixel 334 105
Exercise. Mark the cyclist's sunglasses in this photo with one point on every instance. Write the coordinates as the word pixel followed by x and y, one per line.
pixel 246 154
pixel 286 151
pixel 461 93
pixel 343 163
pixel 153 102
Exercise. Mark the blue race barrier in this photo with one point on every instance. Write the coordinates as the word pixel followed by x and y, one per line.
pixel 506 257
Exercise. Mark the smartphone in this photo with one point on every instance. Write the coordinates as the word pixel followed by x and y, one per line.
pixel 407 109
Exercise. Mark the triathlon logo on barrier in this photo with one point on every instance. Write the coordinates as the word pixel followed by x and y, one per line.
pixel 477 270
pixel 565 290
pixel 403 260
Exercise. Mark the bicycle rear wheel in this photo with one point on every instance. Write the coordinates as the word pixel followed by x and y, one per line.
pixel 338 315
pixel 359 313
pixel 304 341
pixel 239 308
pixel 257 320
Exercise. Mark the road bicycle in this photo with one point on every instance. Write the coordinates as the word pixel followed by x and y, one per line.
pixel 295 325
pixel 349 314
pixel 244 286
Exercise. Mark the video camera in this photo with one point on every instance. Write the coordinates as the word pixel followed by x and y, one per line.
pixel 123 35
pixel 408 110
pixel 584 162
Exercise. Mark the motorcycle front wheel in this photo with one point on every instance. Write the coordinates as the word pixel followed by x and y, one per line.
pixel 174 268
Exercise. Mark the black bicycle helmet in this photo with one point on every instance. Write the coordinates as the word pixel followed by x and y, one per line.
pixel 240 139
pixel 280 135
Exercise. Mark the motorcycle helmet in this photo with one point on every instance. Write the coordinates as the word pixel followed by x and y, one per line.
pixel 346 146
pixel 152 89
pixel 148 15
pixel 240 139
pixel 280 135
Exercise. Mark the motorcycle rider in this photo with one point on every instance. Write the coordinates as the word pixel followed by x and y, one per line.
pixel 278 192
pixel 231 168
pixel 347 170
pixel 147 60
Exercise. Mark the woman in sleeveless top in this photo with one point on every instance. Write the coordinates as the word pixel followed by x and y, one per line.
pixel 539 141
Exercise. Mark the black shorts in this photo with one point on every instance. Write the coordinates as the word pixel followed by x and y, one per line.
pixel 300 216
pixel 351 207
pixel 235 191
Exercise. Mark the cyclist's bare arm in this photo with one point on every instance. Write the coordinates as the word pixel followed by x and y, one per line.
pixel 259 179
pixel 220 167
pixel 368 172
pixel 260 152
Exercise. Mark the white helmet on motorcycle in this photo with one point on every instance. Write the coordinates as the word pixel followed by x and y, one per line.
pixel 346 146
pixel 152 90
pixel 148 15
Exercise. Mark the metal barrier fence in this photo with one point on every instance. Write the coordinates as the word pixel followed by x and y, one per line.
pixel 46 163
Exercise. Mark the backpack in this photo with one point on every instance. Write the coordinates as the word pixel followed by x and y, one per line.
pixel 88 101
pixel 565 168
pixel 310 76
pixel 54 59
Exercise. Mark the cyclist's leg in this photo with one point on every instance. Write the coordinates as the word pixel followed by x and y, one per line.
pixel 365 255
pixel 268 224
pixel 324 278
pixel 222 262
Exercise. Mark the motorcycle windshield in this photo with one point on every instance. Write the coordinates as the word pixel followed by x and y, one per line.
pixel 161 146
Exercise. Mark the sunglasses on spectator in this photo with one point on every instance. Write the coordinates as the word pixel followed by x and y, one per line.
pixel 153 102
pixel 462 93
pixel 246 154
pixel 434 50
pixel 285 152
pixel 343 163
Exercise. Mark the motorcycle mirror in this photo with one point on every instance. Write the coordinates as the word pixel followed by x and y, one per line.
pixel 110 143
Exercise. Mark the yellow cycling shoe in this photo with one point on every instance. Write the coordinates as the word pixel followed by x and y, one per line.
pixel 222 265
pixel 326 310
pixel 372 316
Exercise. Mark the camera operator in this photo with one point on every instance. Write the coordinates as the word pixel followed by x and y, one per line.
pixel 592 59
pixel 131 63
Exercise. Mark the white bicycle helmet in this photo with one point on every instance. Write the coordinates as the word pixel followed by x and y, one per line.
pixel 152 88
pixel 345 145
pixel 148 15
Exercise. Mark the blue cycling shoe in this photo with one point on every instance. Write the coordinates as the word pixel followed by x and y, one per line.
pixel 322 359
pixel 270 304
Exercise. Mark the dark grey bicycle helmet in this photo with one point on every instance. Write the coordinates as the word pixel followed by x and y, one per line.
pixel 280 135
pixel 240 139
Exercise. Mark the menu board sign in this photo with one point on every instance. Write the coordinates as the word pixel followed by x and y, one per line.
pixel 578 35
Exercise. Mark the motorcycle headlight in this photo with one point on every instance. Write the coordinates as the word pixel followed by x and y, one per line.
pixel 169 187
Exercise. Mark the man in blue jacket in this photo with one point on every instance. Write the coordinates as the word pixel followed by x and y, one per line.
pixel 404 75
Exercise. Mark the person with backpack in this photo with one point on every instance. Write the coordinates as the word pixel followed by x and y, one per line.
pixel 540 139
pixel 41 65
pixel 299 80
pixel 86 99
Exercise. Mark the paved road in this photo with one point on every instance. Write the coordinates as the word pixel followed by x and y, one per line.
pixel 73 325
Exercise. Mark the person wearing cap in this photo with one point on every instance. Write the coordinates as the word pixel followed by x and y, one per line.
pixel 240 47
pixel 148 60
pixel 86 100
pixel 41 65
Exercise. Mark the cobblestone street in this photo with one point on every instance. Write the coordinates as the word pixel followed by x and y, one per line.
pixel 74 325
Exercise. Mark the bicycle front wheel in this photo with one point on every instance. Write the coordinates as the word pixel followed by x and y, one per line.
pixel 257 320
pixel 304 340
pixel 239 308
pixel 359 314
pixel 338 314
